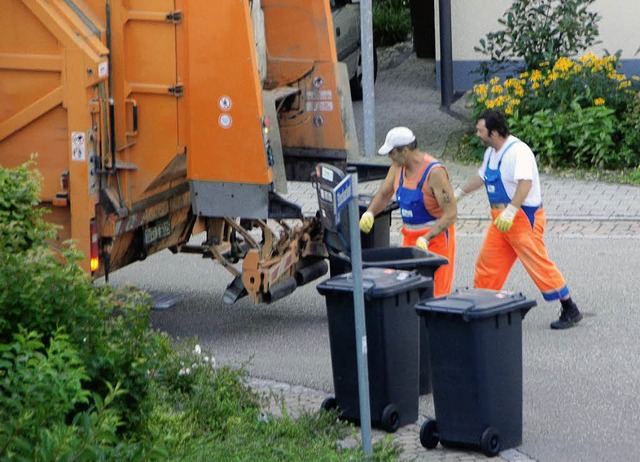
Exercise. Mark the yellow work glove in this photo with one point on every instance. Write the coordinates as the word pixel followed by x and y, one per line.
pixel 366 222
pixel 422 243
pixel 504 221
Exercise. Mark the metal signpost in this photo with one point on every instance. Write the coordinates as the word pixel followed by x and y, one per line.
pixel 343 195
pixel 368 91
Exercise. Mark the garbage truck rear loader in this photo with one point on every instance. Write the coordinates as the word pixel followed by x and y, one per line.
pixel 155 121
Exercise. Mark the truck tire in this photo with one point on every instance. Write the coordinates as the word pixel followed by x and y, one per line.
pixel 356 81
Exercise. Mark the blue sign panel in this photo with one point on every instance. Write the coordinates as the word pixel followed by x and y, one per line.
pixel 343 193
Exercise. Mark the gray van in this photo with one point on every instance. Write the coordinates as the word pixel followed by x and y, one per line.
pixel 346 22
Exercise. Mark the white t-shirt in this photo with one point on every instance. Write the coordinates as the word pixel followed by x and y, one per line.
pixel 518 163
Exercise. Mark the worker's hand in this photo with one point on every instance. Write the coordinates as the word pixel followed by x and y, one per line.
pixel 504 221
pixel 422 243
pixel 459 194
pixel 366 222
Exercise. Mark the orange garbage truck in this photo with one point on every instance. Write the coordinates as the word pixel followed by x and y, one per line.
pixel 157 121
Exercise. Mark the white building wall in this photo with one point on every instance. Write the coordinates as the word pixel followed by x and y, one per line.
pixel 471 20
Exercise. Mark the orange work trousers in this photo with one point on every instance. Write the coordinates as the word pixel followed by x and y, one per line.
pixel 443 244
pixel 500 250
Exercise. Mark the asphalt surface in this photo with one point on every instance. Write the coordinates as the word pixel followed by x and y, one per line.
pixel 580 400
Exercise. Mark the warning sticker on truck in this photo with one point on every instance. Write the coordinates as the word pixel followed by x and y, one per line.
pixel 78 146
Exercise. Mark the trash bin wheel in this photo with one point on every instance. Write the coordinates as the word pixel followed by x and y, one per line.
pixel 390 418
pixel 490 442
pixel 429 434
pixel 329 404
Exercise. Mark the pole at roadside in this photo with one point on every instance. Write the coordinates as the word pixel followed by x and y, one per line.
pixel 358 306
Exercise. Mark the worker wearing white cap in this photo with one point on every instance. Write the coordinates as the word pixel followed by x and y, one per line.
pixel 423 191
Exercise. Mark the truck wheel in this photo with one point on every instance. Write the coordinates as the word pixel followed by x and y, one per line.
pixel 429 434
pixel 490 442
pixel 356 81
pixel 390 418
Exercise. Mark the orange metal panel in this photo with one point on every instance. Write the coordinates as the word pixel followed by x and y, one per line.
pixel 299 32
pixel 223 94
pixel 49 69
pixel 299 29
pixel 144 70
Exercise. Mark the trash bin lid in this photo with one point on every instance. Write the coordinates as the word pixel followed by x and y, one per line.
pixel 476 303
pixel 377 282
pixel 404 258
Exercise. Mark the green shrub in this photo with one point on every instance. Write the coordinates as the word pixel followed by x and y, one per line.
pixel 42 293
pixel 40 386
pixel 83 377
pixel 21 223
pixel 391 22
pixel 539 31
pixel 574 113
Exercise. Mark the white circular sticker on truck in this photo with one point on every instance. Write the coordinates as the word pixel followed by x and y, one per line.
pixel 78 146
pixel 225 103
pixel 225 120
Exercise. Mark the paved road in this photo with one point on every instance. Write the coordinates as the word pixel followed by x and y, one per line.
pixel 580 386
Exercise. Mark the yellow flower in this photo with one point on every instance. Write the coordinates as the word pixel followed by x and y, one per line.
pixel 563 65
pixel 494 81
pixel 536 75
pixel 588 57
pixel 497 89
pixel 511 83
pixel 599 102
pixel 480 90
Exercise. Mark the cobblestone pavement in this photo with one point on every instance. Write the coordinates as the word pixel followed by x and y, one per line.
pixel 297 400
pixel 406 95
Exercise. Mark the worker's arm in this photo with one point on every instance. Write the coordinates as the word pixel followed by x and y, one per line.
pixel 441 188
pixel 472 184
pixel 384 194
pixel 522 191
pixel 380 200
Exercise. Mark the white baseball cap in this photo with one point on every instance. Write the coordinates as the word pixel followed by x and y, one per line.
pixel 396 137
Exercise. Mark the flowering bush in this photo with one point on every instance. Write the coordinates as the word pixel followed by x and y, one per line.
pixel 538 31
pixel 574 113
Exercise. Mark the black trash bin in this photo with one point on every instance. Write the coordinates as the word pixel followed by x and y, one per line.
pixel 403 258
pixel 379 236
pixel 475 338
pixel 339 240
pixel 375 248
pixel 392 343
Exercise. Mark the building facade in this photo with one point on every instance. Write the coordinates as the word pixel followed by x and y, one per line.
pixel 471 20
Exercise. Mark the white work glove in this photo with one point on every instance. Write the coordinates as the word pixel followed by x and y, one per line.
pixel 366 222
pixel 422 243
pixel 504 221
pixel 459 194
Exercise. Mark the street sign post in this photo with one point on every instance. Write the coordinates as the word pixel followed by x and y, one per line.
pixel 344 193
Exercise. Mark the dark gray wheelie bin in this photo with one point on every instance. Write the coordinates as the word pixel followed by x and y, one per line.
pixel 475 338
pixel 375 248
pixel 392 334
pixel 403 258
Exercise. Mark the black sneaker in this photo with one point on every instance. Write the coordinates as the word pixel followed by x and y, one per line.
pixel 569 316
